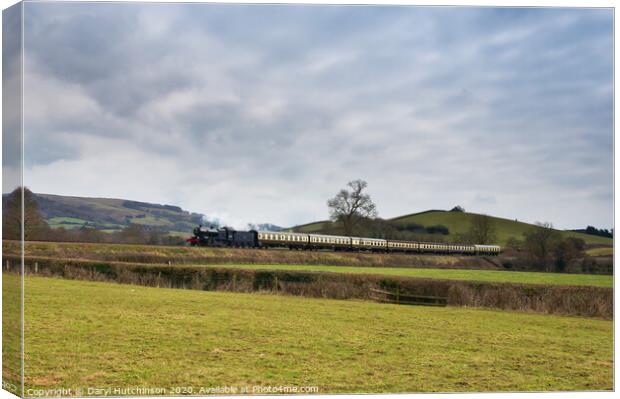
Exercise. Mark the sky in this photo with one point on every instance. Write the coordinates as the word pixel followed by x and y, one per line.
pixel 257 113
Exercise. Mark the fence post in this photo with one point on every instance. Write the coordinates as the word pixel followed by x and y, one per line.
pixel 36 267
pixel 234 282
pixel 276 283
pixel 7 264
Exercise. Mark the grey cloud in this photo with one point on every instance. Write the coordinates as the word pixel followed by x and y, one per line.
pixel 432 106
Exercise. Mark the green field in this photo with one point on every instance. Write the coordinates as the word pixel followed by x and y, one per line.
pixel 459 223
pixel 86 334
pixel 495 276
pixel 310 227
pixel 11 332
pixel 66 222
pixel 600 251
pixel 293 260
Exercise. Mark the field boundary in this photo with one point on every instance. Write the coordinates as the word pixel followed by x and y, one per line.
pixel 552 299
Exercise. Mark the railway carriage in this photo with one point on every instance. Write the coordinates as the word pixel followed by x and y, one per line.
pixel 487 249
pixel 323 241
pixel 372 244
pixel 403 246
pixel 268 239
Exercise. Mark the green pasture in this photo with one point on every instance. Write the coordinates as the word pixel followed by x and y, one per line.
pixel 600 251
pixel 460 222
pixel 87 334
pixel 66 222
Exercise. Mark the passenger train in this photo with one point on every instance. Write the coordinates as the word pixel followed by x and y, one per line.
pixel 227 237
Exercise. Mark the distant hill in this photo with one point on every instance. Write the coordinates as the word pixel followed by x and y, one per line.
pixel 110 214
pixel 459 222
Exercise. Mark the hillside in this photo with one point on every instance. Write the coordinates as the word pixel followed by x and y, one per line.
pixel 459 222
pixel 109 214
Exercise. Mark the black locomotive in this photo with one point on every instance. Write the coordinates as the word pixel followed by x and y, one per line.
pixel 223 237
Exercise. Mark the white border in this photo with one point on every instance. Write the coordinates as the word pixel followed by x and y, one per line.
pixel 505 3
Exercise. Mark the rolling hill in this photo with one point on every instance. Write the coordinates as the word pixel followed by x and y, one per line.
pixel 110 214
pixel 459 222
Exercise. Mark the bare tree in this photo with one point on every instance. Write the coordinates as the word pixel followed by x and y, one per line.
pixel 566 250
pixel 540 244
pixel 349 206
pixel 482 230
pixel 35 227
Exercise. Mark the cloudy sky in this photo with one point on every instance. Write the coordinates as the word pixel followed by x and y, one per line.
pixel 261 113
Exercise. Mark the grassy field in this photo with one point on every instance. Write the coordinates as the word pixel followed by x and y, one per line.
pixel 459 222
pixel 495 276
pixel 310 227
pixel 85 334
pixel 600 251
pixel 430 266
pixel 11 332
pixel 66 222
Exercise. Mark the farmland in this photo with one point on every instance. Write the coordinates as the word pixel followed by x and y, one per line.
pixel 164 337
pixel 600 251
pixel 429 266
pixel 465 281
pixel 459 222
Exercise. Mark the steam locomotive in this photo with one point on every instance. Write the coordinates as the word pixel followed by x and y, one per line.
pixel 228 237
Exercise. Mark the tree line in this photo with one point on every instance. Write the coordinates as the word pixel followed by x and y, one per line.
pixel 545 249
pixel 591 230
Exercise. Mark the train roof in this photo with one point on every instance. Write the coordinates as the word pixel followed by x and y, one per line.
pixel 280 232
pixel 377 239
pixel 327 235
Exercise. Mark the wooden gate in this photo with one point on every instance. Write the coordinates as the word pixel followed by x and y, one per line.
pixel 406 299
